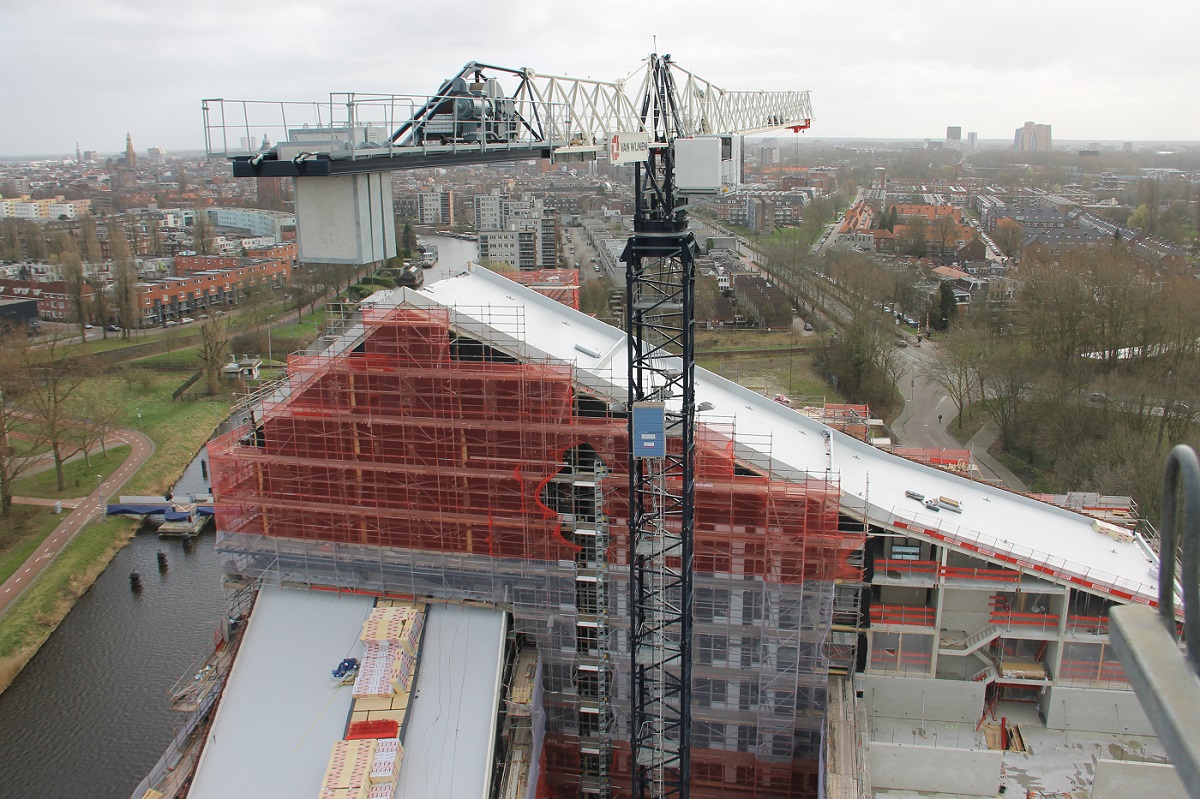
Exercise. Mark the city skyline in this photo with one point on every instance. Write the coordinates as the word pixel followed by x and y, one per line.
pixel 99 68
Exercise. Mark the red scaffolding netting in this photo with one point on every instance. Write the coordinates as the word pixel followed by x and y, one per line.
pixel 418 438
pixel 560 285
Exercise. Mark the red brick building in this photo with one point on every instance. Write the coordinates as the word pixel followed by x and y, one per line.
pixel 53 299
pixel 207 282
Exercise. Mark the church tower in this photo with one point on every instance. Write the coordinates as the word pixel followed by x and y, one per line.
pixel 130 155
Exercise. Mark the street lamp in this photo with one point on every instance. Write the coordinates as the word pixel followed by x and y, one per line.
pixel 100 493
pixel 270 354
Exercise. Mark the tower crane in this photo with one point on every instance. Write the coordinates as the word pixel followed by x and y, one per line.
pixel 678 131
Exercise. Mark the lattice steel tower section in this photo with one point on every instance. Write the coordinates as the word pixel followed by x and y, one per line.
pixel 660 269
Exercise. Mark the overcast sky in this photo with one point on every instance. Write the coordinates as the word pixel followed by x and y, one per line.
pixel 89 70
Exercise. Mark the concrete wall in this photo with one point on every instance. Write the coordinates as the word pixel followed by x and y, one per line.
pixel 1094 710
pixel 931 768
pixel 901 595
pixel 1121 780
pixel 965 610
pixel 914 698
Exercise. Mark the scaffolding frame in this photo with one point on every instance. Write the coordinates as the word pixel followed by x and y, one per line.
pixel 415 456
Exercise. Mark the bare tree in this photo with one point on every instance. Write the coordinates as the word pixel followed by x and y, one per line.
pixel 54 375
pixel 214 351
pixel 953 370
pixel 20 440
pixel 96 412
pixel 77 286
pixel 944 231
pixel 89 243
pixel 203 237
pixel 1008 236
pixel 125 278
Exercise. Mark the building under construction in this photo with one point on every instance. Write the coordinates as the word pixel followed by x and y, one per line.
pixel 435 449
pixel 467 443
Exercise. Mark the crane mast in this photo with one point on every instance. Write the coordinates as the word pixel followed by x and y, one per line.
pixel 659 279
pixel 341 153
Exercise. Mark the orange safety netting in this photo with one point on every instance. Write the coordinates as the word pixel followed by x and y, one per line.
pixel 400 444
pixel 560 285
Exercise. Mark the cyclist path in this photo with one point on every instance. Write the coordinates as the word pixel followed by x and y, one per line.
pixel 85 508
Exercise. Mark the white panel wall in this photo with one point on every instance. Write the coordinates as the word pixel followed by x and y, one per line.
pixel 1122 780
pixel 965 610
pixel 1094 710
pixel 967 772
pixel 915 698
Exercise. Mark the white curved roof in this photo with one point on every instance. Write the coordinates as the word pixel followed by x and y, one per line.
pixel 996 524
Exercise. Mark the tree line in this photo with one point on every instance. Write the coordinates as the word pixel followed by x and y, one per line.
pixel 1090 372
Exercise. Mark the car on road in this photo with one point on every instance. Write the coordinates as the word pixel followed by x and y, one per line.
pixel 87 327
pixel 113 328
pixel 901 343
pixel 170 323
pixel 187 320
pixel 808 327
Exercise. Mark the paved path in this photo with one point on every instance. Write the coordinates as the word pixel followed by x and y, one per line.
pixel 87 507
pixel 928 412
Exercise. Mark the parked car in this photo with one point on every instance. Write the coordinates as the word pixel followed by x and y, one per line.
pixel 113 328
pixel 187 320
pixel 170 323
pixel 808 326
pixel 87 327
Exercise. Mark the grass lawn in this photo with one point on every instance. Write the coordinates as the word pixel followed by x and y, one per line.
pixel 80 476
pixel 178 429
pixel 21 533
pixel 34 616
pixel 175 356
pixel 973 418
pixel 790 373
pixel 751 339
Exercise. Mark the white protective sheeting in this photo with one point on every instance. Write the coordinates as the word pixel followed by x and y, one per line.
pixel 1001 526
pixel 281 711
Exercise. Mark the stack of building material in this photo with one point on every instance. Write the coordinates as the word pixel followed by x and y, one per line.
pixel 404 666
pixel 348 775
pixel 391 636
pixel 400 625
pixel 389 754
pixel 374 671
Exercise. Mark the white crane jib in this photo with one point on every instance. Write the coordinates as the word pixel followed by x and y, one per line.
pixel 342 150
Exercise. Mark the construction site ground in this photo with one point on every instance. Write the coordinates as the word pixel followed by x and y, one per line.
pixel 1058 763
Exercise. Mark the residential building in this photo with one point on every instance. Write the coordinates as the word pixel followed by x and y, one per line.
pixel 436 207
pixel 1032 137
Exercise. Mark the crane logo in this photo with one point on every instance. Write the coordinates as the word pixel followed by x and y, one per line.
pixel 627 147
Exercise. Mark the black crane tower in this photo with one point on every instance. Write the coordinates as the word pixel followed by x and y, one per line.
pixel 659 276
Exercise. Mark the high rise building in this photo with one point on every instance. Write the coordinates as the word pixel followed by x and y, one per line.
pixel 954 136
pixel 435 207
pixel 972 138
pixel 1032 137
pixel 520 231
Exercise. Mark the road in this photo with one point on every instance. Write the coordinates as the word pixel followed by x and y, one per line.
pixel 142 448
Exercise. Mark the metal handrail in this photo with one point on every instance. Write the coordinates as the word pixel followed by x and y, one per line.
pixel 1167 680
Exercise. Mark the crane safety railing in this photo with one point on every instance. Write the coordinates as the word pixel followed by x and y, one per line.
pixel 355 125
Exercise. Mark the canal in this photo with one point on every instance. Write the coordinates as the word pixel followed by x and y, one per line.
pixel 90 714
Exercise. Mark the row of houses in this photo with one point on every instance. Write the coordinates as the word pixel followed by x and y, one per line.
pixel 201 283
